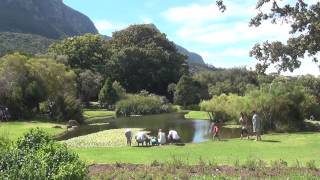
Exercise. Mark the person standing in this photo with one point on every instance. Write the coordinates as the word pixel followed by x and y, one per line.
pixel 244 125
pixel 216 130
pixel 256 125
pixel 128 134
pixel 161 137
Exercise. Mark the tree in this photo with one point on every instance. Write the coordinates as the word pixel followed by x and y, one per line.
pixel 121 92
pixel 108 94
pixel 143 58
pixel 235 80
pixel 90 85
pixel 84 52
pixel 25 82
pixel 186 92
pixel 304 21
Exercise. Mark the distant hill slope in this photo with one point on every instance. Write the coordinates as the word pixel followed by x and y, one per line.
pixel 25 43
pixel 192 57
pixel 31 25
pixel 48 18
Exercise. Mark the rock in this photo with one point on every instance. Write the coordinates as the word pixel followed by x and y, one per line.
pixel 73 123
pixel 73 128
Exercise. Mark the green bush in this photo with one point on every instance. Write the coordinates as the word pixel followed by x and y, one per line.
pixel 5 144
pixel 280 105
pixel 141 105
pixel 36 156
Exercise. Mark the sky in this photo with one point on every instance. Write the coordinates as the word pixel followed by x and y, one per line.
pixel 222 39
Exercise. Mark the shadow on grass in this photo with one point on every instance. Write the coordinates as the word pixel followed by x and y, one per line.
pixel 270 141
pixel 180 144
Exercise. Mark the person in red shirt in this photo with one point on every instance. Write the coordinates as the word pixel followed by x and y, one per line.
pixel 215 131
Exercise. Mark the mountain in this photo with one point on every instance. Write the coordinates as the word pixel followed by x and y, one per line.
pixel 48 18
pixel 192 57
pixel 30 26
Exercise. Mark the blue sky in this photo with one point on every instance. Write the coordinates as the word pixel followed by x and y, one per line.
pixel 223 39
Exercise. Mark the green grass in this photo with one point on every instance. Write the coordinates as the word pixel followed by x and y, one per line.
pixel 88 114
pixel 303 147
pixel 14 130
pixel 197 115
pixel 107 138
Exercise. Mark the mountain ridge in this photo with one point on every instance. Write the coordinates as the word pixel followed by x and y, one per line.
pixel 51 19
pixel 25 20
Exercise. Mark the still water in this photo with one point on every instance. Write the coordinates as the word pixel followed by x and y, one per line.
pixel 194 131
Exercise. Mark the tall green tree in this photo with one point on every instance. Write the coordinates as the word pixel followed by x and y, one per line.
pixel 143 58
pixel 83 52
pixel 90 85
pixel 108 94
pixel 186 92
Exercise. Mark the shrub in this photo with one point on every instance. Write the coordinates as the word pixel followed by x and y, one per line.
pixel 280 105
pixel 5 144
pixel 33 140
pixel 66 108
pixel 141 105
pixel 36 156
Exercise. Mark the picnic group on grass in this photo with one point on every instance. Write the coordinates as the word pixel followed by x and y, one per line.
pixel 173 137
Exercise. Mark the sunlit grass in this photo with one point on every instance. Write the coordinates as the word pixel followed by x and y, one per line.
pixel 303 147
pixel 14 130
pixel 107 138
pixel 98 113
pixel 197 115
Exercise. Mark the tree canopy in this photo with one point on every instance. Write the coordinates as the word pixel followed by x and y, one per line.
pixel 85 52
pixel 143 58
pixel 305 30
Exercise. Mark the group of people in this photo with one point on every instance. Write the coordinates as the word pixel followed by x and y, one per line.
pixel 256 126
pixel 143 138
pixel 173 137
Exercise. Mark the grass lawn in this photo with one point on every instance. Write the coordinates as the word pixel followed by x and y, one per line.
pixel 197 115
pixel 107 138
pixel 14 130
pixel 97 113
pixel 303 147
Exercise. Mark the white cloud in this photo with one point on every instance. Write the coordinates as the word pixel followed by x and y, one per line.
pixel 198 14
pixel 205 28
pixel 106 27
pixel 229 58
pixel 307 67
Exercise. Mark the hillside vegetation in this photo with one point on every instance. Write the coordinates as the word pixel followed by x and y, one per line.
pixel 24 43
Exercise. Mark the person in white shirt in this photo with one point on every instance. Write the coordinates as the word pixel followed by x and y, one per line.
pixel 173 136
pixel 141 137
pixel 161 137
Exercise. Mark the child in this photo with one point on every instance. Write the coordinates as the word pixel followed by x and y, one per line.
pixel 215 131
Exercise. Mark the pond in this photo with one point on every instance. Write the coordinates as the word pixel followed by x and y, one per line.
pixel 191 131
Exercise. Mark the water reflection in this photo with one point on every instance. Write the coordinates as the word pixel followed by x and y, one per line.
pixel 190 130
